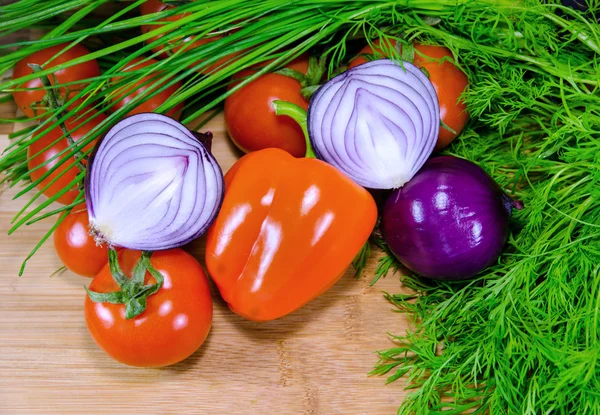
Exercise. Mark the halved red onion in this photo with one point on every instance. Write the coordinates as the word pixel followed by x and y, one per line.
pixel 377 122
pixel 151 185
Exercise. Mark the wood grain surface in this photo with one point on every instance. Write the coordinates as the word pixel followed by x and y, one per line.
pixel 314 361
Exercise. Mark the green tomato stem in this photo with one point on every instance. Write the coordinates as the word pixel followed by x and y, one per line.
pixel 132 291
pixel 311 81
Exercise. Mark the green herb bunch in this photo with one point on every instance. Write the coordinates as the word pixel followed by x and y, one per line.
pixel 523 336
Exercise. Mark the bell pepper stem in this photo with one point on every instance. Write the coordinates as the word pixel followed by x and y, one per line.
pixel 298 114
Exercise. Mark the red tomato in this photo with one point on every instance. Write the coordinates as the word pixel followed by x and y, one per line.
pixel 124 95
pixel 29 99
pixel 154 6
pixel 76 248
pixel 449 83
pixel 251 121
pixel 78 131
pixel 175 323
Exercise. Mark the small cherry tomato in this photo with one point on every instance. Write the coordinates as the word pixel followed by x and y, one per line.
pixel 30 101
pixel 175 323
pixel 155 6
pixel 75 246
pixel 125 94
pixel 251 120
pixel 449 83
pixel 51 144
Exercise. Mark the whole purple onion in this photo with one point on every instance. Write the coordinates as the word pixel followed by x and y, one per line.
pixel 449 222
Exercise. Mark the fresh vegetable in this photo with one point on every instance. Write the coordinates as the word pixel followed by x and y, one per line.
pixel 377 123
pixel 178 314
pixel 30 95
pixel 287 231
pixel 251 120
pixel 151 184
pixel 44 156
pixel 520 338
pixel 75 246
pixel 449 222
pixel 151 82
pixel 179 45
pixel 449 83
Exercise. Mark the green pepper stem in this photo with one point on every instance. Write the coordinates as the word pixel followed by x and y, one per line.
pixel 298 114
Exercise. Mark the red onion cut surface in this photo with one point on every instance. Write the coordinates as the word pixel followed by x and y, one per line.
pixel 151 185
pixel 377 122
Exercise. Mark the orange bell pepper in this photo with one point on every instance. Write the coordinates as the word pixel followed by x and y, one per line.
pixel 287 231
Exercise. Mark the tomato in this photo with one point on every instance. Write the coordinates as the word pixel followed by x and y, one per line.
pixel 75 246
pixel 175 323
pixel 449 83
pixel 78 131
pixel 125 94
pixel 155 6
pixel 251 121
pixel 27 100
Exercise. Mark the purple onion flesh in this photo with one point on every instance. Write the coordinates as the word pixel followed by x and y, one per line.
pixel 449 222
pixel 151 184
pixel 377 122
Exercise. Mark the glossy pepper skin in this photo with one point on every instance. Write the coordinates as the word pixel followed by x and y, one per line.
pixel 287 231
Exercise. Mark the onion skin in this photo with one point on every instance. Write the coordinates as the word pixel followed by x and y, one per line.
pixel 449 222
pixel 205 138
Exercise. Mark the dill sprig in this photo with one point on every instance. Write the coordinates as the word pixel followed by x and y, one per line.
pixel 387 263
pixel 522 337
pixel 361 259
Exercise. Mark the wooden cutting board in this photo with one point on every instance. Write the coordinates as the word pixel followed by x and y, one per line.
pixel 314 361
